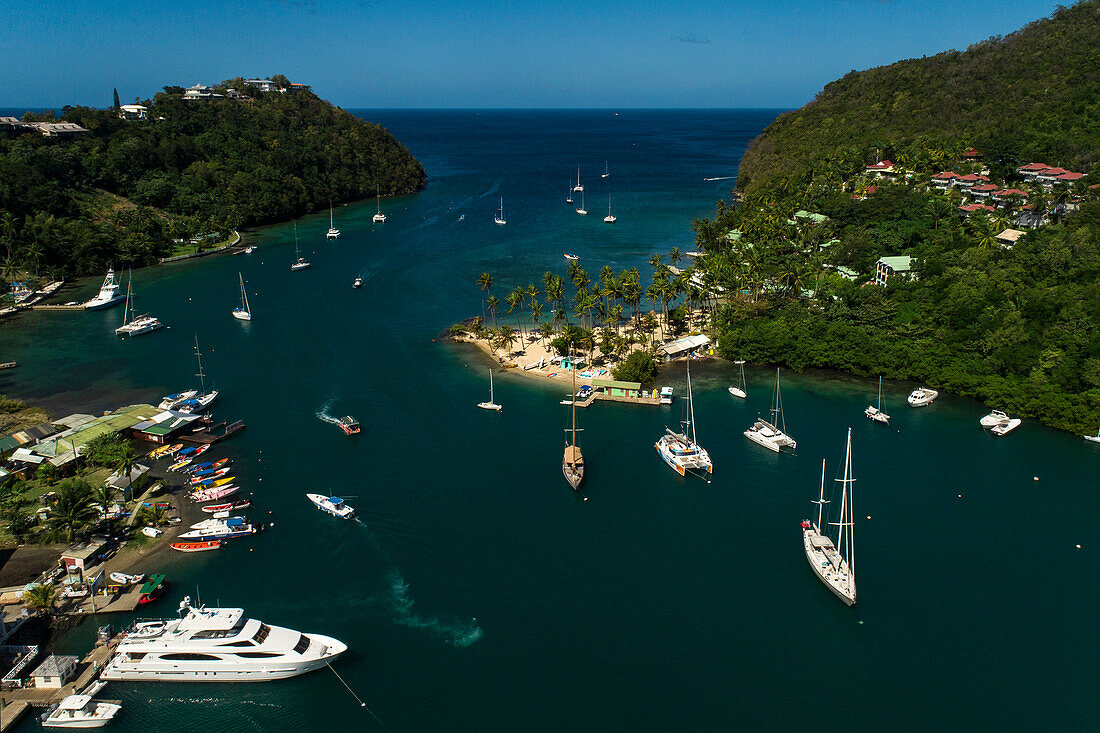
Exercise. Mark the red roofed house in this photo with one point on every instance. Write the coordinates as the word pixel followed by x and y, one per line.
pixel 972 154
pixel 945 179
pixel 969 209
pixel 1031 170
pixel 984 191
pixel 882 168
pixel 1005 195
pixel 1071 177
pixel 971 179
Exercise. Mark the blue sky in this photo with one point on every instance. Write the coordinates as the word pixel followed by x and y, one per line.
pixel 417 53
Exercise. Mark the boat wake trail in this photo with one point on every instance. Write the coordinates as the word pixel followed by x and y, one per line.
pixel 459 634
pixel 720 178
pixel 323 415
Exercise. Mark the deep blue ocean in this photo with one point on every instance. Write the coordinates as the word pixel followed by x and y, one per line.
pixel 477 593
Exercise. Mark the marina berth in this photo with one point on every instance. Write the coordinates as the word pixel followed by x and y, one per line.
pixel 216 645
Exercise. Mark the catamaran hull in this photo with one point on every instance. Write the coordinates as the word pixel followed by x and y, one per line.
pixel 761 441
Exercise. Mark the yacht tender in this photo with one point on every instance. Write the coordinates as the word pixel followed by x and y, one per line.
pixel 80 711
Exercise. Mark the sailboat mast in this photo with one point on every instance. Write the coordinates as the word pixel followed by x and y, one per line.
pixel 491 398
pixel 691 403
pixel 202 378
pixel 573 438
pixel 851 512
pixel 821 496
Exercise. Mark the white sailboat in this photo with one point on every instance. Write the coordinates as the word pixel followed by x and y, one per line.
pixel 578 188
pixel 1093 438
pixel 606 172
pixel 738 390
pixel 108 295
pixel 300 263
pixel 834 564
pixel 202 399
pixel 569 193
pixel 582 211
pixel 137 325
pixel 379 217
pixel 877 413
pixel 244 313
pixel 609 219
pixel 491 404
pixel 683 454
pixel 499 218
pixel 772 435
pixel 333 232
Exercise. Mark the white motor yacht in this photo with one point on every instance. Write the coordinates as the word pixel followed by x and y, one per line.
pixel 108 296
pixel 922 396
pixel 993 419
pixel 333 505
pixel 216 645
pixel 80 711
pixel 1006 427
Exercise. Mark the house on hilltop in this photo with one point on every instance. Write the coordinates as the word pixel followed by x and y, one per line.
pixel 881 169
pixel 133 112
pixel 900 266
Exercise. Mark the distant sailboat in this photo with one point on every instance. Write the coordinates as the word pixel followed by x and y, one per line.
pixel 137 325
pixel 499 218
pixel 491 404
pixel 738 390
pixel 834 564
pixel 572 462
pixel 682 453
pixel 582 211
pixel 578 188
pixel 333 232
pixel 569 193
pixel 877 413
pixel 606 172
pixel 379 217
pixel 300 262
pixel 772 435
pixel 244 313
pixel 609 219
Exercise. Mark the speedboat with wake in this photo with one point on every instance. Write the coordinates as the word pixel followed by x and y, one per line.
pixel 333 505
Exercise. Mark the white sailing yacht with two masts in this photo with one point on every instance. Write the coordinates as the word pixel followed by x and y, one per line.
pixel 772 435
pixel 834 564
pixel 137 325
pixel 683 454
pixel 491 404
pixel 244 313
pixel 878 414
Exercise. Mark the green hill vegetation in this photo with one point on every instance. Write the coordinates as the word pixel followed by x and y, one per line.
pixel 1014 325
pixel 121 194
pixel 1030 95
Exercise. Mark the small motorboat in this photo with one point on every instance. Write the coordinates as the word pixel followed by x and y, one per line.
pixel 196 546
pixel 164 450
pixel 180 464
pixel 358 283
pixel 230 507
pixel 1092 438
pixel 221 529
pixel 333 505
pixel 1006 427
pixel 151 531
pixel 349 425
pixel 572 257
pixel 922 396
pixel 80 711
pixel 124 579
pixel 213 494
pixel 993 419
pixel 207 475
pixel 152 588
pixel 194 468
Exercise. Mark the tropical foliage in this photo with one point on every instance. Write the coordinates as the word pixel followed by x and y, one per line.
pixel 120 195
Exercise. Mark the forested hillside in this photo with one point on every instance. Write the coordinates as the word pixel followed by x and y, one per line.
pixel 1031 95
pixel 121 194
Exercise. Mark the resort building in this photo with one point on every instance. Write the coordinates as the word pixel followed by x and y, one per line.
pixel 1009 237
pixel 615 388
pixel 971 179
pixel 164 426
pixel 806 216
pixel 1031 170
pixel 882 169
pixel 685 345
pixel 888 267
pixel 967 210
pixel 133 112
pixel 944 180
pixel 1006 195
pixel 54 672
pixel 201 91
pixel 262 85
pixel 984 191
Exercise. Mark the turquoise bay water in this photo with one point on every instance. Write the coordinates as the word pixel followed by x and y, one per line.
pixel 477 593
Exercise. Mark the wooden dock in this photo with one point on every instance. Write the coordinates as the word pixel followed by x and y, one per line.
pixel 16 702
pixel 204 436
pixel 121 603
pixel 55 307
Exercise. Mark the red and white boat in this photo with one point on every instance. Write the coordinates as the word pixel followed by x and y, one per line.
pixel 230 507
pixel 196 546
pixel 216 474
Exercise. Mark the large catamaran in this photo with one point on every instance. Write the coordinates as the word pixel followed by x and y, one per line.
pixel 772 435
pixel 683 454
pixel 834 563
pixel 572 462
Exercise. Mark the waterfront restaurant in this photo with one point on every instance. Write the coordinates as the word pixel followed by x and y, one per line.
pixel 681 346
pixel 615 388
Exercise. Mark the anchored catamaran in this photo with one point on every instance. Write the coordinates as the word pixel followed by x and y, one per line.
pixel 834 564
pixel 878 414
pixel 681 453
pixel 772 435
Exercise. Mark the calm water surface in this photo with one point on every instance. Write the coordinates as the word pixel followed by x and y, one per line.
pixel 477 593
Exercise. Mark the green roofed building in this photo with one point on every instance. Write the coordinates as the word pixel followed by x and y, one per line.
pixel 810 217
pixel 616 388
pixel 65 447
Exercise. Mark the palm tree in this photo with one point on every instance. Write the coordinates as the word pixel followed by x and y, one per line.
pixel 506 336
pixel 73 509
pixel 983 230
pixel 127 459
pixel 154 515
pixel 675 255
pixel 938 208
pixel 103 497
pixel 493 303
pixel 40 597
